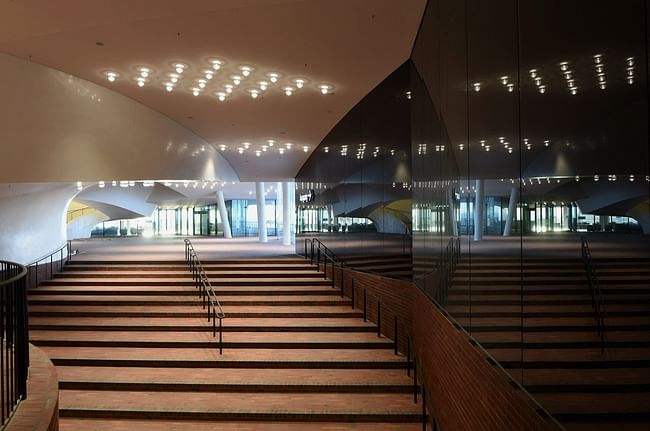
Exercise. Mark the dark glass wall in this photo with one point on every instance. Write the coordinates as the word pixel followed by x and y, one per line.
pixel 354 192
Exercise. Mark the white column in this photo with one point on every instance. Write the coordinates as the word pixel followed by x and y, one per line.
pixel 286 213
pixel 223 214
pixel 261 211
pixel 478 211
pixel 603 222
pixel 512 209
pixel 452 212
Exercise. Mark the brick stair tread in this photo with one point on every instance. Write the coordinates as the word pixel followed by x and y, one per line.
pixel 591 355
pixel 106 424
pixel 184 273
pixel 244 376
pixel 72 299
pixel 168 322
pixel 240 402
pixel 43 289
pixel 551 321
pixel 212 354
pixel 198 308
pixel 170 336
pixel 478 308
pixel 562 337
pixel 621 376
pixel 223 280
pixel 595 402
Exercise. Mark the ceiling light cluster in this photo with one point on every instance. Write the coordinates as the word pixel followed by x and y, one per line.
pixel 599 66
pixel 629 70
pixel 259 149
pixel 253 81
pixel 537 79
pixel 569 77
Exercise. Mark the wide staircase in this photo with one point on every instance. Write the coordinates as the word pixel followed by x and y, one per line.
pixel 134 350
pixel 562 364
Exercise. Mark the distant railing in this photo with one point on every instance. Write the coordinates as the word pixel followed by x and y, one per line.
pixel 209 297
pixel 597 297
pixel 48 264
pixel 438 281
pixel 14 339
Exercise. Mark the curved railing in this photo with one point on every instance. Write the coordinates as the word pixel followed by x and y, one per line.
pixel 202 282
pixel 48 264
pixel 14 352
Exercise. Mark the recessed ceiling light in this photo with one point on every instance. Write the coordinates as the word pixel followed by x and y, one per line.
pixel 173 77
pixel 263 85
pixel 241 150
pixel 216 63
pixel 140 81
pixel 245 69
pixel 300 82
pixel 305 148
pixel 196 91
pixel 288 91
pixel 246 144
pixel 254 93
pixel 208 73
pixel 169 86
pixel 281 150
pixel 111 75
pixel 221 95
pixel 144 71
pixel 271 142
pixel 201 82
pixel 223 147
pixel 288 145
pixel 273 76
pixel 228 87
pixel 325 88
pixel 180 67
pixel 258 153
pixel 236 79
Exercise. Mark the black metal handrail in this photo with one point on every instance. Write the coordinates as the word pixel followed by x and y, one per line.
pixel 14 338
pixel 444 271
pixel 597 296
pixel 209 297
pixel 64 250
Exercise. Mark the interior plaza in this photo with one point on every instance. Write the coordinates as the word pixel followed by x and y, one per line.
pixel 318 215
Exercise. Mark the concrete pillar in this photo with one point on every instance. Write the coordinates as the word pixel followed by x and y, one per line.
pixel 512 209
pixel 261 211
pixel 223 214
pixel 603 222
pixel 452 212
pixel 479 203
pixel 286 213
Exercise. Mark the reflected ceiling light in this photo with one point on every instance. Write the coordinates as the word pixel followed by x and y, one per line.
pixel 236 79
pixel 221 96
pixel 258 153
pixel 409 95
pixel 533 73
pixel 288 91
pixel 273 76
pixel 504 79
pixel 326 149
pixel 173 77
pixel 144 71
pixel 246 144
pixel 263 85
pixel 148 183
pixel 271 142
pixel 598 58
pixel 288 145
pixel 168 86
pixel 216 63
pixel 241 150
pixel 114 183
pixel 223 147
pixel 511 88
pixel 630 61
pixel 264 148
pixel 325 88
pixel 596 178
pixel 542 89
pixel 487 148
pixel 574 90
pixel 180 67
pixel 547 143
pixel 196 91
pixel 102 184
pixel 461 147
pixel 202 83
pixel 510 150
pixel 228 87
pixel 564 65
pixel 305 148
pixel 477 86
pixel 602 85
pixel 254 93
pixel 299 82
pixel 631 177
pixel 111 76
pixel 281 150
pixel 245 70
pixel 502 139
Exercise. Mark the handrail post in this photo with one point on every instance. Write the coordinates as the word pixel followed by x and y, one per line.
pixel 378 319
pixel 353 297
pixel 415 381
pixel 395 335
pixel 364 306
pixel 221 336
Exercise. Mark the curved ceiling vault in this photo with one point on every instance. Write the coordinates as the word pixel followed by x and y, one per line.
pixel 351 46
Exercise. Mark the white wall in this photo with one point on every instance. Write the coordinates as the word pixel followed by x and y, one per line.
pixel 82 226
pixel 33 219
pixel 55 127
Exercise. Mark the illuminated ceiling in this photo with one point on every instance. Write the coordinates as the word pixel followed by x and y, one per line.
pixel 348 46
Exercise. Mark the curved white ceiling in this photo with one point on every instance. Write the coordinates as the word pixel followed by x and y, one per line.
pixel 352 45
